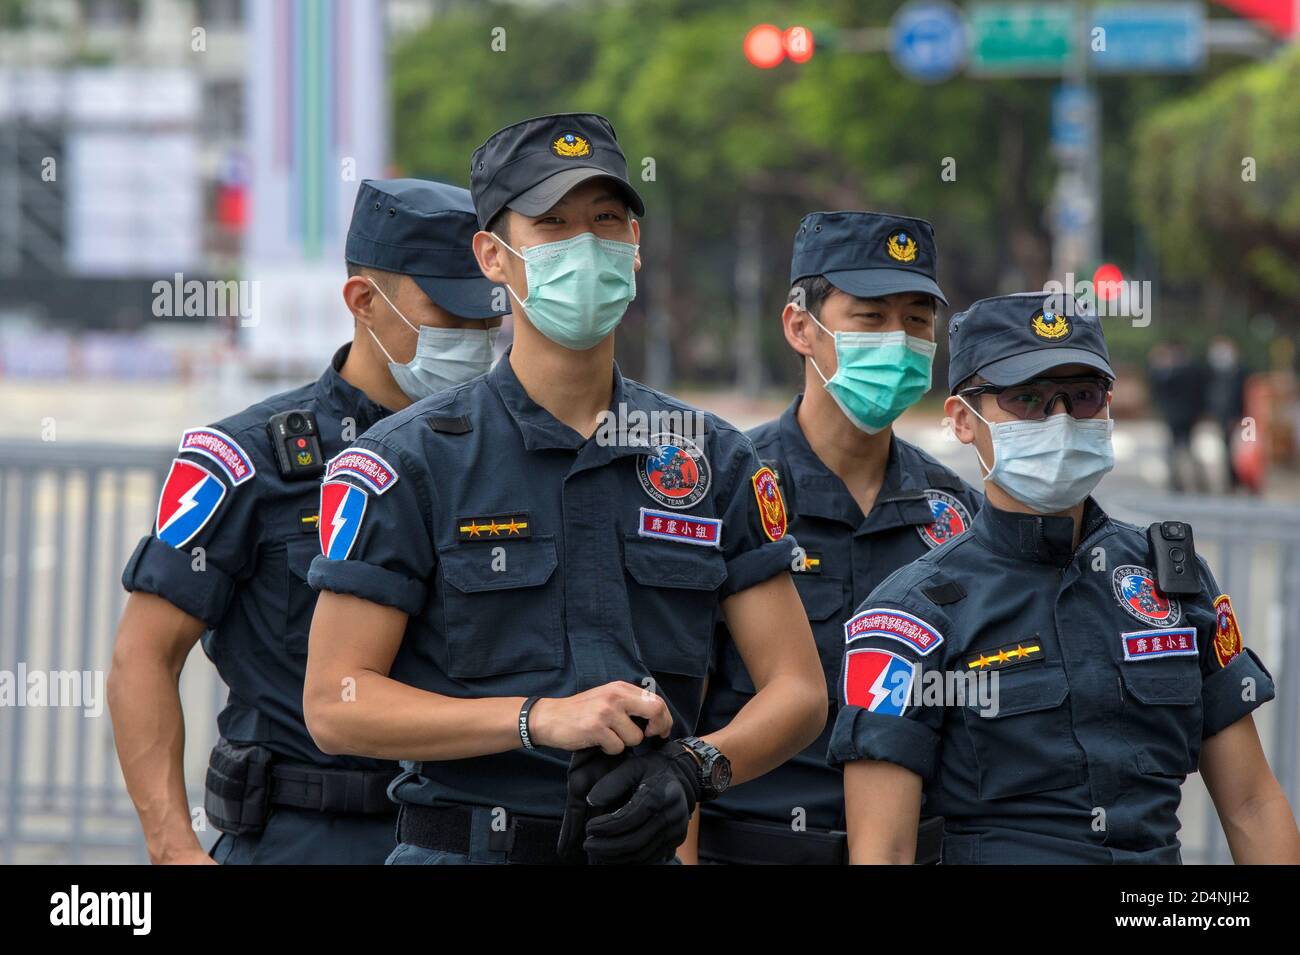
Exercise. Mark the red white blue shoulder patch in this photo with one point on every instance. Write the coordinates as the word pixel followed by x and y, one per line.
pixel 342 506
pixel 1150 644
pixel 366 466
pixel 878 681
pixel 221 448
pixel 894 624
pixel 190 496
pixel 950 518
pixel 684 529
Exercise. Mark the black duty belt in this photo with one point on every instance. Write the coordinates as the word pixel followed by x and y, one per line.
pixel 737 842
pixel 526 840
pixel 331 790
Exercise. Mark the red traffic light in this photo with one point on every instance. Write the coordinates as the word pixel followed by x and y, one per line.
pixel 764 46
pixel 798 44
pixel 1106 281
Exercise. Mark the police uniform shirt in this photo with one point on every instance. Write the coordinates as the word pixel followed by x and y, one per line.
pixel 1105 689
pixel 535 562
pixel 920 505
pixel 232 546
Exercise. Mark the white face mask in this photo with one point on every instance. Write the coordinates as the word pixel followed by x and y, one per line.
pixel 1050 465
pixel 444 357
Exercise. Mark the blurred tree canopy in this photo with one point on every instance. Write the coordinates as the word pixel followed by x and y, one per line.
pixel 1217 180
pixel 707 134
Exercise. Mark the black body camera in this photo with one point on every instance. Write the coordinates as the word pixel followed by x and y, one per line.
pixel 296 441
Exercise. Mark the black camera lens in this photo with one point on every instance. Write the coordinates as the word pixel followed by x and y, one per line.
pixel 296 423
pixel 1172 531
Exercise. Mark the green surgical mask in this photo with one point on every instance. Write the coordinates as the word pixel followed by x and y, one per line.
pixel 578 288
pixel 879 375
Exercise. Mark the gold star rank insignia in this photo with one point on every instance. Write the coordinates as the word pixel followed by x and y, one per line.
pixel 494 527
pixel 811 563
pixel 1003 658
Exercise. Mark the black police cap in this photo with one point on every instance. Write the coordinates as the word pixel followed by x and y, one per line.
pixel 867 254
pixel 423 229
pixel 531 165
pixel 1013 338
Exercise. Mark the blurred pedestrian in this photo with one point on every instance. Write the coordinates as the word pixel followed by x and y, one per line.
pixel 1225 397
pixel 1178 392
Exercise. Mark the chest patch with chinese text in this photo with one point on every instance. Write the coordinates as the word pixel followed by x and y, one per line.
pixel 664 525
pixel 1149 644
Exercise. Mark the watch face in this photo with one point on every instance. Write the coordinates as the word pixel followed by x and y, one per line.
pixel 720 774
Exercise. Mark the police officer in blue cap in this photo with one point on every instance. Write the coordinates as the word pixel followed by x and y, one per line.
pixel 1050 678
pixel 237 528
pixel 864 502
pixel 527 606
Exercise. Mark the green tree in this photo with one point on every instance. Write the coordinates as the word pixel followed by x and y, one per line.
pixel 710 137
pixel 1217 187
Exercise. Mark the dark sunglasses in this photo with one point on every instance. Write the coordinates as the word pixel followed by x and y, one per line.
pixel 1032 400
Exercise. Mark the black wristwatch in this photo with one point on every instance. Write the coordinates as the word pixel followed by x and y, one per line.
pixel 712 769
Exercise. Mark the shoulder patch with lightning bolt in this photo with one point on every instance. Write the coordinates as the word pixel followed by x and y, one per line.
pixel 189 498
pixel 878 681
pixel 342 506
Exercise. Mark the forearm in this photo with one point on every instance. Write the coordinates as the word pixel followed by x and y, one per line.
pixel 783 717
pixel 1252 806
pixel 869 844
pixel 689 851
pixel 380 717
pixel 1263 831
pixel 882 808
pixel 149 732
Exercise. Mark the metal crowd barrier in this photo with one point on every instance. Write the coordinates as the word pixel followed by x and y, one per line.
pixel 71 514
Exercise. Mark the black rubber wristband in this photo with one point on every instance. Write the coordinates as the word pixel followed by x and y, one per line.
pixel 523 721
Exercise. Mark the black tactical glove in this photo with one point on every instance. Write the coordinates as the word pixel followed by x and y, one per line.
pixel 655 793
pixel 586 768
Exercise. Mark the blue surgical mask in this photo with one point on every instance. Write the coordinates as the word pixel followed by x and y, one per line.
pixel 444 357
pixel 878 375
pixel 578 288
pixel 1050 465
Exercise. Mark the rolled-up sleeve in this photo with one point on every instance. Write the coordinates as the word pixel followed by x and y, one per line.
pixel 1234 681
pixel 860 734
pixel 1241 687
pixel 188 582
pixel 751 553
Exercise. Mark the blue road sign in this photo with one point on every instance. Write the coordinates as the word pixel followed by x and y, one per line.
pixel 1072 107
pixel 1148 37
pixel 927 40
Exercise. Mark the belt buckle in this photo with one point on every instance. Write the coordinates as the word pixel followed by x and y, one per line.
pixel 343 789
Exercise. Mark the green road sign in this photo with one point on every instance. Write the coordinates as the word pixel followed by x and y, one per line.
pixel 1021 39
